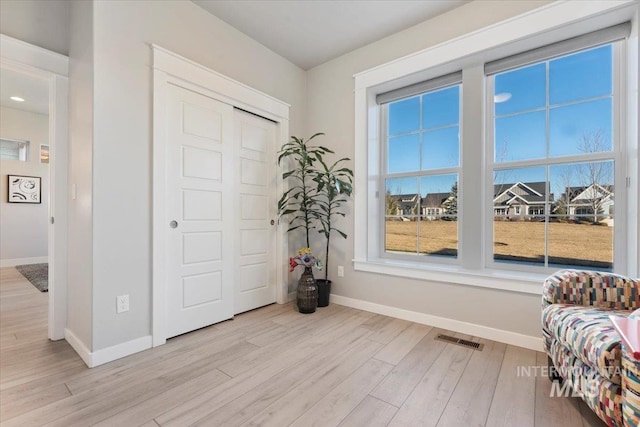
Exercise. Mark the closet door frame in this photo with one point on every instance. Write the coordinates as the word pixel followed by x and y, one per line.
pixel 170 68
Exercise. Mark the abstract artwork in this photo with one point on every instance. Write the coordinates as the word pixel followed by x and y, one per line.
pixel 24 189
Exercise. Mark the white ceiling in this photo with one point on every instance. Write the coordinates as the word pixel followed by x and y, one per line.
pixel 311 32
pixel 33 90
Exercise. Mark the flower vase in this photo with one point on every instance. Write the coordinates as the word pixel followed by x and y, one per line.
pixel 307 294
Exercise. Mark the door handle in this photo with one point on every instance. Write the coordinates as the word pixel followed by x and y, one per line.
pixel 273 222
pixel 173 224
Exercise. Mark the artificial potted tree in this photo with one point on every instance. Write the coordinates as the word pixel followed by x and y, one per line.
pixel 300 198
pixel 334 185
pixel 299 202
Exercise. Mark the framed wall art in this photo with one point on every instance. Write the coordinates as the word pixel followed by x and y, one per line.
pixel 24 189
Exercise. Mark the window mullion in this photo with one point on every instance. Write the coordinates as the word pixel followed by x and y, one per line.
pixel 577 158
pixel 489 165
pixel 623 251
pixel 472 171
pixel 382 190
pixel 547 137
pixel 419 180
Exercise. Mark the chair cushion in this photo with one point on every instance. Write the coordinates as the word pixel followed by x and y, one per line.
pixel 588 333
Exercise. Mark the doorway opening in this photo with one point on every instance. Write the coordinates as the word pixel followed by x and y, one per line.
pixel 33 171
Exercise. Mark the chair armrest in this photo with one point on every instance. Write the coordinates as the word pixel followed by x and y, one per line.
pixel 591 288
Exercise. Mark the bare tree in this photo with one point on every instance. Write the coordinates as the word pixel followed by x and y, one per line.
pixel 564 191
pixel 595 177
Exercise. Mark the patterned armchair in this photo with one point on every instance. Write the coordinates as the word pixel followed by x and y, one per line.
pixel 582 345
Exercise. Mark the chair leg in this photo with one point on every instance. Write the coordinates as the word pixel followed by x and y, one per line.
pixel 554 375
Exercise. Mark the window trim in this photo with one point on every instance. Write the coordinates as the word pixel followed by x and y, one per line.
pixel 542 26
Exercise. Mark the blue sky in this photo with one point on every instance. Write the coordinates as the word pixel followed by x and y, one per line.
pixel 423 131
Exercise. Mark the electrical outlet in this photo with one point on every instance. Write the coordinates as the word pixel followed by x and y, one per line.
pixel 122 303
pixel 340 271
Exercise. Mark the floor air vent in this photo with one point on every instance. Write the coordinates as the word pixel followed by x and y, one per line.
pixel 460 341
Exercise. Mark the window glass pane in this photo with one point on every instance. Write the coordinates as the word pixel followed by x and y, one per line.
pixel 574 226
pixel 404 116
pixel 519 215
pixel 415 144
pixel 581 221
pixel 521 89
pixel 439 215
pixel 583 75
pixel 440 148
pixel 520 137
pixel 580 128
pixel 441 108
pixel 402 204
pixel 404 153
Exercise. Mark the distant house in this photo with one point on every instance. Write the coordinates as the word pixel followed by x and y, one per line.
pixel 579 202
pixel 434 205
pixel 519 199
pixel 406 204
pixel 513 200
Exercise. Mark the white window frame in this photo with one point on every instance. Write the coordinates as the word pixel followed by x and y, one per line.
pixel 545 25
pixel 384 175
pixel 617 154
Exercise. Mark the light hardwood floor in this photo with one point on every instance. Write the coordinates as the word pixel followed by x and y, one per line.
pixel 272 367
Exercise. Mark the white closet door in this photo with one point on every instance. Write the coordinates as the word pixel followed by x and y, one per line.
pixel 200 206
pixel 255 211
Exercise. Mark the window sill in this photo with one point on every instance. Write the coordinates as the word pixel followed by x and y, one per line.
pixel 512 281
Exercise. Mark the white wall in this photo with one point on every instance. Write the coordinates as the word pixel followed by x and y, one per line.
pixel 330 109
pixel 44 23
pixel 80 243
pixel 25 125
pixel 111 120
pixel 24 226
pixel 122 144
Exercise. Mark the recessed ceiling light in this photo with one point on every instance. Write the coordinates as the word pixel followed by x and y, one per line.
pixel 17 99
pixel 501 97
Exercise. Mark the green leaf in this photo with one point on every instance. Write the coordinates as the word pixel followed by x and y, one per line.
pixel 325 149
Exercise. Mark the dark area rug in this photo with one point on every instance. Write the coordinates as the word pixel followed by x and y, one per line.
pixel 37 274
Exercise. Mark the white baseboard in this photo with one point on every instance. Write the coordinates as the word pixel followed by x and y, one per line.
pixel 500 335
pixel 12 262
pixel 78 346
pixel 109 354
pixel 118 351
